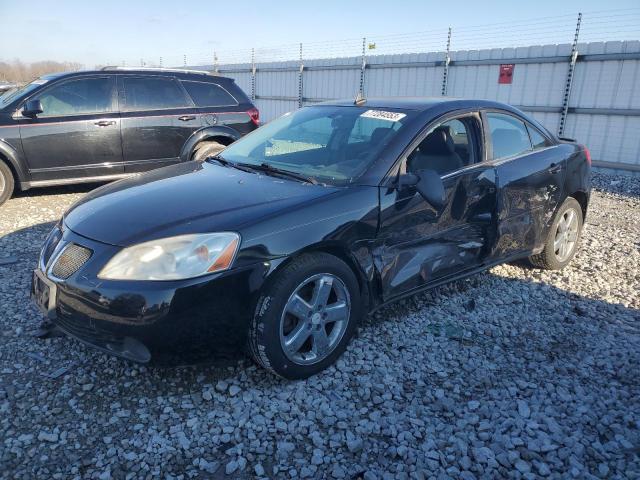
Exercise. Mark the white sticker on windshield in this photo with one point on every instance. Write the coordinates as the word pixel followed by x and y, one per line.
pixel 384 115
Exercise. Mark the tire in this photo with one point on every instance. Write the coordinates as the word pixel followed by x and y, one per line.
pixel 551 258
pixel 273 324
pixel 206 150
pixel 7 182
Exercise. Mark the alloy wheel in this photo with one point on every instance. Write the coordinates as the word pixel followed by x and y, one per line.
pixel 315 319
pixel 566 235
pixel 3 183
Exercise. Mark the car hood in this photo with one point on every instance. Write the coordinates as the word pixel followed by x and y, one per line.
pixel 190 197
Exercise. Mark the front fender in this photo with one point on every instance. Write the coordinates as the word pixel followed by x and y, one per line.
pixel 204 134
pixel 18 165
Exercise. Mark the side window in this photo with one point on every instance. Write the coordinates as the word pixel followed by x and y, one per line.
pixel 78 97
pixel 447 148
pixel 537 139
pixel 508 134
pixel 208 94
pixel 152 93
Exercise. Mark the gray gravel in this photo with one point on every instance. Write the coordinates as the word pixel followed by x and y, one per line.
pixel 514 373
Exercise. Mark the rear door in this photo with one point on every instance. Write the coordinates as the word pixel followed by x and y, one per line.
pixel 78 133
pixel 420 244
pixel 157 119
pixel 217 106
pixel 531 177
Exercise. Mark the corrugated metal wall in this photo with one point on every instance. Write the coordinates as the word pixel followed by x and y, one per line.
pixel 604 107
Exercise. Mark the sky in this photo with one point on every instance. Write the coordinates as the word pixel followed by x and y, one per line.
pixel 116 31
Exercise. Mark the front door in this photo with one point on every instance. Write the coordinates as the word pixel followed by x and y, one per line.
pixel 157 120
pixel 530 183
pixel 78 133
pixel 419 244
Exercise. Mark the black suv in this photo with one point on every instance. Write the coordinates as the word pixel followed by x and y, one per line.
pixel 103 125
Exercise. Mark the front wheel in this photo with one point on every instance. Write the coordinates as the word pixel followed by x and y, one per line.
pixel 306 316
pixel 562 239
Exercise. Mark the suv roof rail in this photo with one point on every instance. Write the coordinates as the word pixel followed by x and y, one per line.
pixel 154 69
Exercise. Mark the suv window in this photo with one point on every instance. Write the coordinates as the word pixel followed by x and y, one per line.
pixel 508 135
pixel 153 93
pixel 537 139
pixel 208 94
pixel 449 147
pixel 77 97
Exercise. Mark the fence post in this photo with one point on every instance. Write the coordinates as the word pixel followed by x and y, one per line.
pixel 447 60
pixel 300 79
pixel 363 66
pixel 185 60
pixel 160 62
pixel 215 63
pixel 253 74
pixel 569 82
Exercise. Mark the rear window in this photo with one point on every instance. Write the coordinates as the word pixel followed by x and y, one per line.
pixel 508 134
pixel 537 139
pixel 208 94
pixel 153 93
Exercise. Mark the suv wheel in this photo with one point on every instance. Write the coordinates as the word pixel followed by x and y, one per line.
pixel 206 150
pixel 306 316
pixel 6 182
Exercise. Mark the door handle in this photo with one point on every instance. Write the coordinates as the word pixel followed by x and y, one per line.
pixel 186 118
pixel 554 168
pixel 105 123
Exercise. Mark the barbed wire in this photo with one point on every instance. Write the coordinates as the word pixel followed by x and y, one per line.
pixel 597 26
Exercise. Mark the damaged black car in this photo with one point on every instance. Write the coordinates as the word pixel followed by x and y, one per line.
pixel 281 243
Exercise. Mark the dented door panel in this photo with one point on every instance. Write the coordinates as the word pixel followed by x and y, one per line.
pixel 530 190
pixel 418 244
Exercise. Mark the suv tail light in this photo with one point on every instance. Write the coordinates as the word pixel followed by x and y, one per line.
pixel 254 114
pixel 587 154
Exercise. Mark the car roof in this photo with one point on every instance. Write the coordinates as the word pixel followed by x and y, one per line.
pixel 175 72
pixel 420 103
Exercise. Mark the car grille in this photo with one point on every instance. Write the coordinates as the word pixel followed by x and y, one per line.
pixel 72 258
pixel 50 245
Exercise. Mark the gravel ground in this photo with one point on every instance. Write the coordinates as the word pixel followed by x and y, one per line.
pixel 515 373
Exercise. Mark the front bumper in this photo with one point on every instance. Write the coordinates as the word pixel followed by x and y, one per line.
pixel 139 320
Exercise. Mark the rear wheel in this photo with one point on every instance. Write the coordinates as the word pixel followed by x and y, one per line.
pixel 562 239
pixel 306 316
pixel 6 182
pixel 206 150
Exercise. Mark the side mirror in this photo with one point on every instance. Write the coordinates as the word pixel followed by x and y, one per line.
pixel 428 184
pixel 32 108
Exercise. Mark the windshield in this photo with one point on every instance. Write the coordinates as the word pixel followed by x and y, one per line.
pixel 329 144
pixel 14 93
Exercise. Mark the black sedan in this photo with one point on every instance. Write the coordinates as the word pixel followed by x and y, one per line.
pixel 287 238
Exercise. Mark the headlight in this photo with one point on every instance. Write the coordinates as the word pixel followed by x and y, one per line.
pixel 174 258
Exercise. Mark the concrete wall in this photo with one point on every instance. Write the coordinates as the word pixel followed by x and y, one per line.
pixel 604 106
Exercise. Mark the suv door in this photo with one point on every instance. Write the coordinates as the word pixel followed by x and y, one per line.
pixel 157 119
pixel 78 133
pixel 421 244
pixel 531 179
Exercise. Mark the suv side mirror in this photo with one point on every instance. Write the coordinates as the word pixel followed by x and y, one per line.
pixel 428 184
pixel 32 108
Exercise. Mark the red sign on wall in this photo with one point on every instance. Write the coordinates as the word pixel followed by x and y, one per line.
pixel 506 73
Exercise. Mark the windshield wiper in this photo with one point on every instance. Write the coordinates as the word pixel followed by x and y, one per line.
pixel 265 167
pixel 224 162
